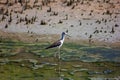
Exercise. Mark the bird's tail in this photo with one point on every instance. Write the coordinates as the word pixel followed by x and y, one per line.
pixel 47 48
pixel 50 47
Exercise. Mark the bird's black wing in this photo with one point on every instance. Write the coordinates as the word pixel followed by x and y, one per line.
pixel 55 44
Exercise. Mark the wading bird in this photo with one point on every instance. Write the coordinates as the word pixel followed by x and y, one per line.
pixel 59 43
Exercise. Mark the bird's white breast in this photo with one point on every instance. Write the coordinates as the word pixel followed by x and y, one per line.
pixel 61 43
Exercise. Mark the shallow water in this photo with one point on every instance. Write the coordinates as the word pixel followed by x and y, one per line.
pixel 30 61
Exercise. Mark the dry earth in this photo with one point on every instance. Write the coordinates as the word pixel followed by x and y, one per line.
pixel 88 21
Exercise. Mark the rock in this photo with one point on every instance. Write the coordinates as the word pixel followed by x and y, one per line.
pixel 49 64
pixel 52 64
pixel 22 65
pixel 37 66
pixel 16 61
pixel 71 73
pixel 83 69
pixel 64 70
pixel 33 61
pixel 93 72
pixel 107 71
pixel 4 60
pixel 76 66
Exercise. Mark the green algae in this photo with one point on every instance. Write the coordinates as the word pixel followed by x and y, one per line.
pixel 32 62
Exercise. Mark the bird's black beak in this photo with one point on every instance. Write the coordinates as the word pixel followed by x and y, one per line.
pixel 68 35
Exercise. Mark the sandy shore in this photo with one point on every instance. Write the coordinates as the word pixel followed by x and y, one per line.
pixel 50 38
pixel 87 21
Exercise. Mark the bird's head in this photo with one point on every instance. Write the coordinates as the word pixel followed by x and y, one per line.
pixel 65 33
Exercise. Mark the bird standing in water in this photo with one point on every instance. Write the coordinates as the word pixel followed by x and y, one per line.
pixel 58 43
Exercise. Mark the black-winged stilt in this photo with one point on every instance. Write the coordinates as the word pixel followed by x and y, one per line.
pixel 58 43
